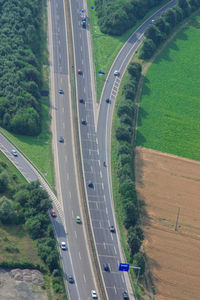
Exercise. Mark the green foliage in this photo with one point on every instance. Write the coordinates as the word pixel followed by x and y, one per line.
pixel 133 242
pixel 123 134
pixel 4 181
pixel 7 211
pixel 130 214
pixel 20 71
pixel 148 49
pixel 124 148
pixel 139 261
pixel 135 70
pixel 127 189
pixel 126 107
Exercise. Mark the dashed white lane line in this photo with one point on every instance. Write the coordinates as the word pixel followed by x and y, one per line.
pixel 70 195
pixel 106 210
pixel 81 49
pixel 102 186
pixel 84 277
pixel 72 213
pixel 115 290
pixel 100 174
pixel 122 278
pixel 115 250
pixel 99 162
pixel 79 255
pixel 66 159
pixel 63 125
pixel 75 234
pixel 104 245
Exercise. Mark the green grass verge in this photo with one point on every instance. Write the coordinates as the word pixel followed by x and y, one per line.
pixel 169 107
pixel 106 47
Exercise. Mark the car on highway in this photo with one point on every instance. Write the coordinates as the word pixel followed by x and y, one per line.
pixel 14 152
pixel 61 139
pixel 53 213
pixel 71 279
pixel 79 71
pixel 152 21
pixel 78 220
pixel 81 100
pixel 116 73
pixel 83 22
pixel 90 184
pixel 84 122
pixel 63 246
pixel 94 294
pixel 112 228
pixel 125 295
pixel 61 91
pixel 108 100
pixel 106 267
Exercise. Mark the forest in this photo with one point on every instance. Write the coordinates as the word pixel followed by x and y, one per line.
pixel 20 66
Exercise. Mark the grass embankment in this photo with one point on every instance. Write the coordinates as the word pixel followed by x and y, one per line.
pixel 38 149
pixel 169 107
pixel 106 47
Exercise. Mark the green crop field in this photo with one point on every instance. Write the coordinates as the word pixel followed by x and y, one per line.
pixel 169 116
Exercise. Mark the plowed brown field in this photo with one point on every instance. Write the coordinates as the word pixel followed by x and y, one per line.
pixel 167 183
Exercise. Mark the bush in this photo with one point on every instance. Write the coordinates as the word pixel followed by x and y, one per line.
pixel 133 242
pixel 135 70
pixel 123 134
pixel 139 261
pixel 127 108
pixel 4 181
pixel 7 211
pixel 130 215
pixel 125 148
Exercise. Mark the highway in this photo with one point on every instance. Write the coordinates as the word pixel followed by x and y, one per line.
pixel 95 148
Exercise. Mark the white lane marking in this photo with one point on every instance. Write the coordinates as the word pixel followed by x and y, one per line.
pixel 115 290
pixel 106 210
pixel 109 223
pixel 112 237
pixel 63 109
pixel 75 234
pixel 66 159
pixel 99 162
pixel 84 89
pixel 115 250
pixel 100 174
pixel 70 195
pixel 59 42
pixel 72 213
pixel 104 197
pixel 122 278
pixel 79 255
pixel 96 141
pixel 61 79
pixel 102 186
pixel 63 125
pixel 82 61
pixel 104 245
pixel 91 169
pixel 98 151
pixel 84 277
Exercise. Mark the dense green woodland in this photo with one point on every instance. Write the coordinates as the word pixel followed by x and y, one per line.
pixel 117 16
pixel 20 65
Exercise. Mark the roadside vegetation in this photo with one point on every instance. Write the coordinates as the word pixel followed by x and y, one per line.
pixel 37 148
pixel 169 107
pixel 27 237
pixel 122 155
pixel 107 46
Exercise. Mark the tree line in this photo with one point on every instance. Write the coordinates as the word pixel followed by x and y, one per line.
pixel 116 16
pixel 20 66
pixel 158 32
pixel 125 171
pixel 27 205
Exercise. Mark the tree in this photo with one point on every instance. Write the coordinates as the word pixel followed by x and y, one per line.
pixel 126 107
pixel 135 70
pixel 124 173
pixel 129 90
pixel 124 159
pixel 130 214
pixel 139 232
pixel 123 134
pixel 133 242
pixel 148 49
pixel 139 261
pixel 21 196
pixel 124 148
pixel 4 181
pixel 126 120
pixel 170 17
pixel 52 261
pixel 33 225
pixel 127 189
pixel 7 211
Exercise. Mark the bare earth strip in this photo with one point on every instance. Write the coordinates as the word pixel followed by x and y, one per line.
pixel 167 182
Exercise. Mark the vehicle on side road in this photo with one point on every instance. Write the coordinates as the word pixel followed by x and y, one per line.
pixel 116 73
pixel 90 184
pixel 106 267
pixel 14 153
pixel 84 122
pixel 125 295
pixel 79 71
pixel 108 100
pixel 53 213
pixel 70 279
pixel 81 100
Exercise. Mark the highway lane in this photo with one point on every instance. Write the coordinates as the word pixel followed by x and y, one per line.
pixel 98 196
pixel 69 192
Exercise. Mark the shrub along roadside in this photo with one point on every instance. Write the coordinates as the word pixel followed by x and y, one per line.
pixel 124 191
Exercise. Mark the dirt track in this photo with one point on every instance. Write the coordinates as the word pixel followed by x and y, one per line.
pixel 166 182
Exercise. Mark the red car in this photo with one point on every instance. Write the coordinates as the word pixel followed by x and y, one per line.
pixel 53 213
pixel 79 71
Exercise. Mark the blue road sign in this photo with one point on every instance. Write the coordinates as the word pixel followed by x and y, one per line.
pixel 101 73
pixel 92 7
pixel 123 267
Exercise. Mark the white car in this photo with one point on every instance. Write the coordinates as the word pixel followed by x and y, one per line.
pixel 116 73
pixel 14 152
pixel 63 246
pixel 94 294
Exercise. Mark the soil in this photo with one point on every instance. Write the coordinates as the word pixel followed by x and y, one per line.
pixel 17 284
pixel 169 186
